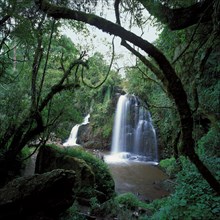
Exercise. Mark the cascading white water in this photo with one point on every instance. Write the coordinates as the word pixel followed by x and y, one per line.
pixel 72 140
pixel 133 130
pixel 119 132
pixel 86 120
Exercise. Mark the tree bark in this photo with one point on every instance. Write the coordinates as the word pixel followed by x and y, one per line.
pixel 170 79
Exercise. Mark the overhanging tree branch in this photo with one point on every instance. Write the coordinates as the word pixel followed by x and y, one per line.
pixel 172 82
pixel 145 61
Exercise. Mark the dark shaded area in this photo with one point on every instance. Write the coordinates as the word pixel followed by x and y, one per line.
pixel 37 196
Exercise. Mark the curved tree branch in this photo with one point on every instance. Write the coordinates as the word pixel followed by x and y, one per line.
pixel 145 61
pixel 109 69
pixel 172 82
pixel 59 86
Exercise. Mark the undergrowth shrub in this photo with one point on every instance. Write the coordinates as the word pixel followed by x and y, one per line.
pixel 124 206
pixel 130 201
pixel 209 144
pixel 193 197
pixel 170 166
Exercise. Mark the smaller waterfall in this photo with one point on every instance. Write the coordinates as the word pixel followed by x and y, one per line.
pixel 86 120
pixel 133 133
pixel 72 140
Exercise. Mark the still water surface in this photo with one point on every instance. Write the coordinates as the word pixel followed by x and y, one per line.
pixel 141 178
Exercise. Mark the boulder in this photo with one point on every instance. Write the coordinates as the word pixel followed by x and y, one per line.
pixel 92 180
pixel 42 196
pixel 49 159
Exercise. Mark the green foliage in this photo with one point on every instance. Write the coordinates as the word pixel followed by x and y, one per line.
pixel 193 54
pixel 170 166
pixel 121 207
pixel 102 119
pixel 209 144
pixel 130 201
pixel 193 197
pixel 69 116
pixel 94 203
pixel 20 79
pixel 15 103
pixel 208 95
pixel 28 79
pixel 109 208
pixel 98 101
pixel 20 162
pixel 107 129
pixel 171 43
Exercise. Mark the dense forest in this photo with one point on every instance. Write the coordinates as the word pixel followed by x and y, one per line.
pixel 48 84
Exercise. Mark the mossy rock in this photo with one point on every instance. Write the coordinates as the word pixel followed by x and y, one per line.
pixel 93 176
pixel 49 159
pixel 104 182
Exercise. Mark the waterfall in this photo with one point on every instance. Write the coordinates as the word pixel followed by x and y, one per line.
pixel 133 130
pixel 72 140
pixel 119 133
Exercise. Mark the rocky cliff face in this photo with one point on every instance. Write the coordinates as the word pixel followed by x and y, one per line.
pixel 88 137
pixel 84 134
